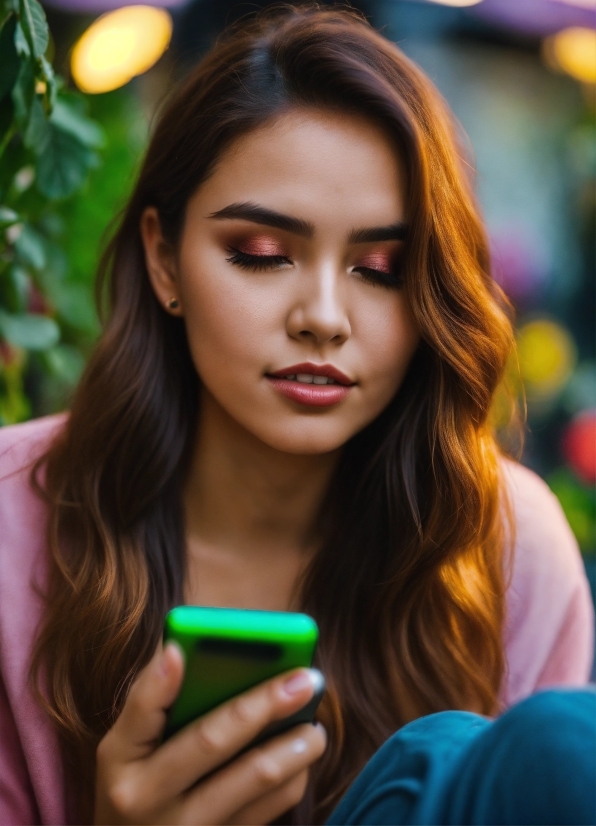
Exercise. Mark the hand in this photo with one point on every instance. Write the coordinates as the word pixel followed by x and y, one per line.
pixel 189 778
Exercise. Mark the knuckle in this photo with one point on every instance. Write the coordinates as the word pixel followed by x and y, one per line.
pixel 209 739
pixel 242 712
pixel 268 771
pixel 122 798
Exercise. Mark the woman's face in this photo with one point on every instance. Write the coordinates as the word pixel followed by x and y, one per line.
pixel 288 277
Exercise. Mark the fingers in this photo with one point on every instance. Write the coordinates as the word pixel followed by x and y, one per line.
pixel 258 781
pixel 215 738
pixel 269 807
pixel 143 717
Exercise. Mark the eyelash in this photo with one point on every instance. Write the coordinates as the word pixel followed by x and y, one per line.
pixel 261 263
pixel 255 262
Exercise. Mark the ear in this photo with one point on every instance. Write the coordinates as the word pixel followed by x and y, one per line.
pixel 161 263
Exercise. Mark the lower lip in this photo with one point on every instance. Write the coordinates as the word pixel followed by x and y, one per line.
pixel 315 395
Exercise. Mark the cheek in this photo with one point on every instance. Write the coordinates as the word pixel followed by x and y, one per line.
pixel 225 317
pixel 389 337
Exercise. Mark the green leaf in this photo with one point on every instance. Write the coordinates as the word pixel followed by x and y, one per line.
pixel 33 332
pixel 23 94
pixel 65 362
pixel 37 132
pixel 8 217
pixel 51 82
pixel 6 119
pixel 18 285
pixel 13 158
pixel 74 305
pixel 6 8
pixel 35 26
pixel 20 42
pixel 30 248
pixel 63 165
pixel 9 59
pixel 80 127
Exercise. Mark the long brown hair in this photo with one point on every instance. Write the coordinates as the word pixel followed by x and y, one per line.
pixel 408 584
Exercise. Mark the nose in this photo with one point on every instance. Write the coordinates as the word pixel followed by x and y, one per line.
pixel 318 313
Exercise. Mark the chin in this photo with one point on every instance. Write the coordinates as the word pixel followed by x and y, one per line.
pixel 317 438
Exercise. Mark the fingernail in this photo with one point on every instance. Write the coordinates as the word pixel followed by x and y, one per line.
pixel 299 746
pixel 298 682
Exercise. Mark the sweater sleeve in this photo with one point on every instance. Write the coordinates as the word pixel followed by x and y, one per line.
pixel 549 636
pixel 17 800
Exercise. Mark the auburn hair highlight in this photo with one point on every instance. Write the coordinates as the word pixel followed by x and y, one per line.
pixel 408 585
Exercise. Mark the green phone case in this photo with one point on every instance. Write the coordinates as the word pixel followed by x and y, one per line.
pixel 229 650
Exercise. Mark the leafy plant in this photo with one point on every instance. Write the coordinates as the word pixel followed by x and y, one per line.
pixel 48 145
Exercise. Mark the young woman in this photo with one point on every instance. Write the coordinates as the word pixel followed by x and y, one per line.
pixel 288 409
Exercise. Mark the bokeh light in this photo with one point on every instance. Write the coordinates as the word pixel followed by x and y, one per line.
pixel 574 52
pixel 457 3
pixel 547 357
pixel 579 445
pixel 118 46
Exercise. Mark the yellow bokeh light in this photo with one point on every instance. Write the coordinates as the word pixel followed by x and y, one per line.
pixel 574 51
pixel 546 356
pixel 118 46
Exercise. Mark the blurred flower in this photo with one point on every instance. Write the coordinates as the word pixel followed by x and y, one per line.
pixel 573 51
pixel 547 357
pixel 119 46
pixel 579 445
pixel 519 262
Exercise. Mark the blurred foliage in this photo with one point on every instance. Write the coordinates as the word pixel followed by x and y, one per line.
pixel 50 225
pixel 578 501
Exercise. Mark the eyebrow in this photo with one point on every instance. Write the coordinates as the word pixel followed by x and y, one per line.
pixel 393 232
pixel 260 215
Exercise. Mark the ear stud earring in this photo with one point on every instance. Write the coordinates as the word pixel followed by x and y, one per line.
pixel 172 303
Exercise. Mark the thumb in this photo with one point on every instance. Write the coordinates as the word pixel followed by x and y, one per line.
pixel 143 717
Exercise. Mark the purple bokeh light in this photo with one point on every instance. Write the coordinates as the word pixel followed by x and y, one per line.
pixel 538 18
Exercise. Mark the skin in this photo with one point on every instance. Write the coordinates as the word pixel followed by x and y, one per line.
pixel 262 462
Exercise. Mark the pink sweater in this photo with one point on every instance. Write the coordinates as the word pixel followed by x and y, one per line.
pixel 549 634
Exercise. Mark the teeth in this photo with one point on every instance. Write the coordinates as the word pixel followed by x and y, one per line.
pixel 308 378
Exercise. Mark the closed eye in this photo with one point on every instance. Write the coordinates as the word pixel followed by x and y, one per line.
pixel 380 278
pixel 255 262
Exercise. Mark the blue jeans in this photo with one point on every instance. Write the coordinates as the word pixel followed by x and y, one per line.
pixel 536 764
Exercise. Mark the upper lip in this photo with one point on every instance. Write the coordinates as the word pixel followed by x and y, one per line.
pixel 309 368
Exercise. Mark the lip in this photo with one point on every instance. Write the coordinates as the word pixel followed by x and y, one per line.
pixel 312 395
pixel 327 370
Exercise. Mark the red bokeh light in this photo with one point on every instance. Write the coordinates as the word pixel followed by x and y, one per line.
pixel 579 445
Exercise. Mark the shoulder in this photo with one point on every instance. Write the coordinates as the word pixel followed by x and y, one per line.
pixel 22 511
pixel 22 444
pixel 30 766
pixel 549 633
pixel 544 543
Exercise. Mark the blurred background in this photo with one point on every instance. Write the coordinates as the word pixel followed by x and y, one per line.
pixel 79 84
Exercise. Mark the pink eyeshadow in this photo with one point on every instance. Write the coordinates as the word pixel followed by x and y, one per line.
pixel 377 261
pixel 261 245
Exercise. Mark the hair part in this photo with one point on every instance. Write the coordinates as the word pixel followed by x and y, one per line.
pixel 408 585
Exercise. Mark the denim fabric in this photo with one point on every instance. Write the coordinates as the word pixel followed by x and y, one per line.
pixel 536 764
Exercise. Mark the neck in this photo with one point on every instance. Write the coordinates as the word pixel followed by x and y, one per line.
pixel 246 501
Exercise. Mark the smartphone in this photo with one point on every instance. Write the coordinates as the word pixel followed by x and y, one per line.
pixel 229 650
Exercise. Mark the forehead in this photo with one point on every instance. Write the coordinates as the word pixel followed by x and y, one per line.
pixel 325 167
